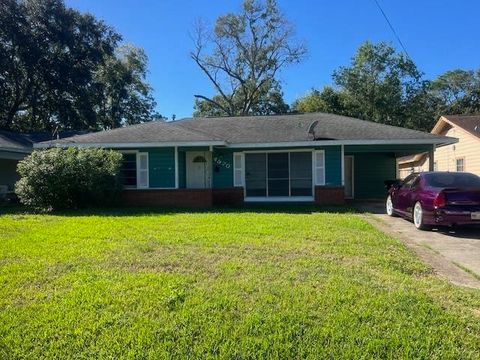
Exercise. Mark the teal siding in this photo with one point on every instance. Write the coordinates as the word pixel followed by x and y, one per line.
pixel 370 171
pixel 161 167
pixel 333 165
pixel 222 168
pixel 398 150
pixel 373 165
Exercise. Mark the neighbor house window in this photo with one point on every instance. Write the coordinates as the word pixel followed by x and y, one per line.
pixel 460 164
pixel 134 170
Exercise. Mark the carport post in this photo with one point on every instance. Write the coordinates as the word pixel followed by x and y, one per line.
pixel 431 158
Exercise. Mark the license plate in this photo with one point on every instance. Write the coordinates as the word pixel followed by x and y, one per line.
pixel 475 215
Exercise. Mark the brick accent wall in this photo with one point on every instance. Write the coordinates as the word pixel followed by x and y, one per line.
pixel 228 196
pixel 168 197
pixel 329 195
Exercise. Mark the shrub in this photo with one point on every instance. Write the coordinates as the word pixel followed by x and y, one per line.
pixel 69 178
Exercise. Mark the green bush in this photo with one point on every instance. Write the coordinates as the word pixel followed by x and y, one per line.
pixel 69 178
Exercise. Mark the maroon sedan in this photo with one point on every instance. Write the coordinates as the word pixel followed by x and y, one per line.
pixel 436 198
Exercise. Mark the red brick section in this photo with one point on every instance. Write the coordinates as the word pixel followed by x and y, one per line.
pixel 168 197
pixel 228 196
pixel 329 195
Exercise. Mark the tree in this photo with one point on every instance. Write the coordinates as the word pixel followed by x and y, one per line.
pixel 243 55
pixel 125 96
pixel 456 92
pixel 270 101
pixel 50 56
pixel 328 100
pixel 380 85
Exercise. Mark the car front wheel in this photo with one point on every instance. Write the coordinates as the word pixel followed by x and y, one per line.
pixel 389 206
pixel 418 217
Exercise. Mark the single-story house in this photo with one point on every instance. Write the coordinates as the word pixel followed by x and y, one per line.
pixel 14 147
pixel 321 158
pixel 461 156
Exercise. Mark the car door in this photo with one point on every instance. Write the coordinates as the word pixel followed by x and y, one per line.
pixel 403 196
pixel 410 196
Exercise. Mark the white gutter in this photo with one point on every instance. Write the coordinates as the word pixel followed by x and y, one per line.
pixel 129 145
pixel 445 141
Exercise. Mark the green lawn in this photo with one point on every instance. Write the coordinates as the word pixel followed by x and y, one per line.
pixel 291 283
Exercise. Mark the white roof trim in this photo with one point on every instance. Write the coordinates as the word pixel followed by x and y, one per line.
pixel 444 141
pixel 129 145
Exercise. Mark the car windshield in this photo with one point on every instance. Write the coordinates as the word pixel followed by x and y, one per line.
pixel 452 180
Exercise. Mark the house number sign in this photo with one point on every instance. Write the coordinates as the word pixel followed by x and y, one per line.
pixel 218 160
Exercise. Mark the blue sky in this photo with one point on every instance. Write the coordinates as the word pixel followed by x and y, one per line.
pixel 439 35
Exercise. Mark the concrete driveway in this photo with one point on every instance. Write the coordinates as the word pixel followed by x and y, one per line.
pixel 453 253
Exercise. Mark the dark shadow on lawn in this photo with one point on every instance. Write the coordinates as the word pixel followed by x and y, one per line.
pixel 141 211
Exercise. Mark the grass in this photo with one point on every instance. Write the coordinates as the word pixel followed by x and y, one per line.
pixel 257 283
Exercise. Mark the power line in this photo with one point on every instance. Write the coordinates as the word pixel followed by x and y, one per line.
pixel 392 28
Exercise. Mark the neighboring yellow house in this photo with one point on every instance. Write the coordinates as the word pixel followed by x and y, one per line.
pixel 462 156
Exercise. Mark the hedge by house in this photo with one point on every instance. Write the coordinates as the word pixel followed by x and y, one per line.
pixel 69 178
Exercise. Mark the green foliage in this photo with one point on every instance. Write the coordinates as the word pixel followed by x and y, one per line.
pixel 270 283
pixel 327 101
pixel 384 86
pixel 126 98
pixel 69 178
pixel 242 56
pixel 456 92
pixel 61 68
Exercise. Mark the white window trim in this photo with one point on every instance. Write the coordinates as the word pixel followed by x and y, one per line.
pixel 240 168
pixel 316 167
pixel 139 170
pixel 462 158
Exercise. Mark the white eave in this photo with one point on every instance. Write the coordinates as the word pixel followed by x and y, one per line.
pixel 433 141
pixel 129 145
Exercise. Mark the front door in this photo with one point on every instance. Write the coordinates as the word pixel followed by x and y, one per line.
pixel 349 186
pixel 198 169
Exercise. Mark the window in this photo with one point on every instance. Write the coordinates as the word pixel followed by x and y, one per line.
pixel 452 180
pixel 134 170
pixel 256 174
pixel 319 167
pixel 277 174
pixel 410 180
pixel 128 170
pixel 238 169
pixel 435 166
pixel 301 173
pixel 460 163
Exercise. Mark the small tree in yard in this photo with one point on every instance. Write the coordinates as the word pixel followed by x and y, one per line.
pixel 69 178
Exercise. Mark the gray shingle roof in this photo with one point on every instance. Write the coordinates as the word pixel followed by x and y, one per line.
pixel 254 129
pixel 149 132
pixel 470 123
pixel 23 142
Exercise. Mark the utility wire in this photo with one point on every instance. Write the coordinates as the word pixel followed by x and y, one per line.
pixel 393 29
